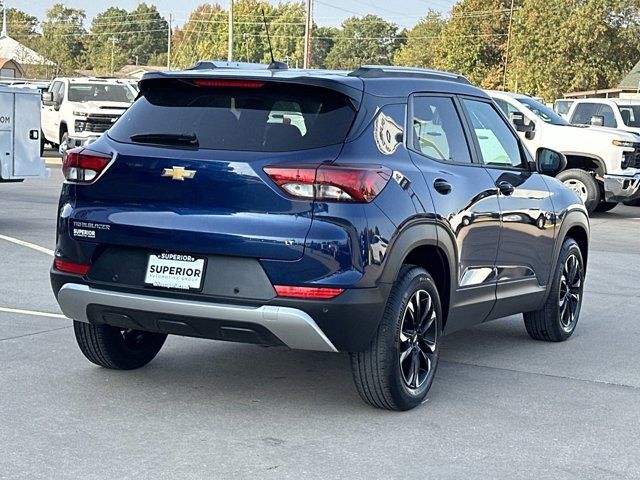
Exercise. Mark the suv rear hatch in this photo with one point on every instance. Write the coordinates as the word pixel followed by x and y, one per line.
pixel 187 171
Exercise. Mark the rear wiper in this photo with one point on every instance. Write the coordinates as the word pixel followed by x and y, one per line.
pixel 186 139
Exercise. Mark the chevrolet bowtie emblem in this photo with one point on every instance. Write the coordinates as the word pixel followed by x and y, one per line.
pixel 178 173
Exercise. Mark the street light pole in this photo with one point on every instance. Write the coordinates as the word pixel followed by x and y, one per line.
pixel 113 48
pixel 169 43
pixel 506 54
pixel 230 46
pixel 307 35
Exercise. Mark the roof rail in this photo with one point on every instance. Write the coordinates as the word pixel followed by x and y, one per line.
pixel 386 71
pixel 220 64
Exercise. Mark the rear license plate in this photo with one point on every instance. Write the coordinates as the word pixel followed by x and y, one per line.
pixel 172 270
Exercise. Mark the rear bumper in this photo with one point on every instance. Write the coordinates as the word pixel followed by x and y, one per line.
pixel 620 188
pixel 291 326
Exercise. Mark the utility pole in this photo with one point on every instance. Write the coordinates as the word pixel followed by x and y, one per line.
pixel 113 49
pixel 307 35
pixel 169 43
pixel 506 54
pixel 230 46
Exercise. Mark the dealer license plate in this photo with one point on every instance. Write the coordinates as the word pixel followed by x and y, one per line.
pixel 173 270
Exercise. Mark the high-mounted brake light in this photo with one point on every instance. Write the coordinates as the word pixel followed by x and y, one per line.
pixel 70 267
pixel 311 293
pixel 337 183
pixel 228 83
pixel 80 165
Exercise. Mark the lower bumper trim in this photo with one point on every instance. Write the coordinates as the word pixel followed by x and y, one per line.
pixel 293 327
pixel 619 188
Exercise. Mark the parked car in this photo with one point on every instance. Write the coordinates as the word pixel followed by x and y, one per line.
pixel 408 209
pixel 620 113
pixel 562 106
pixel 76 111
pixel 603 164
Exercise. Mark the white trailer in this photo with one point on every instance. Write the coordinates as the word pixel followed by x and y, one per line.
pixel 20 136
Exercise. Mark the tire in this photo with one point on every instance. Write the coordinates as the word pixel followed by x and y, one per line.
pixel 606 206
pixel 42 141
pixel 584 185
pixel 63 142
pixel 551 323
pixel 384 379
pixel 117 348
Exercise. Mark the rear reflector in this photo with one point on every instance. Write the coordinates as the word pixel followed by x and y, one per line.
pixel 70 267
pixel 228 83
pixel 80 165
pixel 337 183
pixel 313 293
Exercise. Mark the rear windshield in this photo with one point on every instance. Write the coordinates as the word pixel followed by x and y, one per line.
pixel 275 117
pixel 96 92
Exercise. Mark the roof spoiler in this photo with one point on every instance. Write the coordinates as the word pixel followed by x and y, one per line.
pixel 218 64
pixel 384 71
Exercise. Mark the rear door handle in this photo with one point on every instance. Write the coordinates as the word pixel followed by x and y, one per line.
pixel 505 188
pixel 442 186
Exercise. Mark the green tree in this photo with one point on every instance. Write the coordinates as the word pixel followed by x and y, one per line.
pixel 21 26
pixel 119 37
pixel 148 35
pixel 569 45
pixel 366 40
pixel 324 38
pixel 62 37
pixel 204 36
pixel 473 42
pixel 106 46
pixel 420 49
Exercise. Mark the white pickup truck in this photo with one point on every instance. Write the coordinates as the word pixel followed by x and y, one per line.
pixel 603 164
pixel 76 111
pixel 619 113
pixel 20 135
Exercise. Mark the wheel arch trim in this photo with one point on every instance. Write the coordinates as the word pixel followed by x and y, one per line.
pixel 416 234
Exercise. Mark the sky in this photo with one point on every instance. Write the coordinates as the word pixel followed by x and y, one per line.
pixel 404 13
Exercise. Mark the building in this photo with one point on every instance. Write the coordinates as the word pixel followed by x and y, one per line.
pixel 9 69
pixel 629 87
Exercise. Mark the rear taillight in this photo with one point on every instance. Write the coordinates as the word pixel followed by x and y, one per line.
pixel 337 183
pixel 70 267
pixel 310 293
pixel 83 166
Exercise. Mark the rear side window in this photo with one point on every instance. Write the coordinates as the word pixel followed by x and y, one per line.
pixel 562 107
pixel 437 131
pixel 583 113
pixel 608 116
pixel 268 117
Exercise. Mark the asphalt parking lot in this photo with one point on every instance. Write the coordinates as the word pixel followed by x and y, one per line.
pixel 502 406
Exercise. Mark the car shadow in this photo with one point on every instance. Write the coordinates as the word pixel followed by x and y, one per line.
pixel 200 372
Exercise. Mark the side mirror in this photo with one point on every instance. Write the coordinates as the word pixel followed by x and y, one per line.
pixel 549 162
pixel 597 121
pixel 517 119
pixel 47 98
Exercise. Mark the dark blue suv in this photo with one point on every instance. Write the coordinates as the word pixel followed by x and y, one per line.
pixel 367 212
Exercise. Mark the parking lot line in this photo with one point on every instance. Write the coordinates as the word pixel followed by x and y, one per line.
pixel 33 246
pixel 31 312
